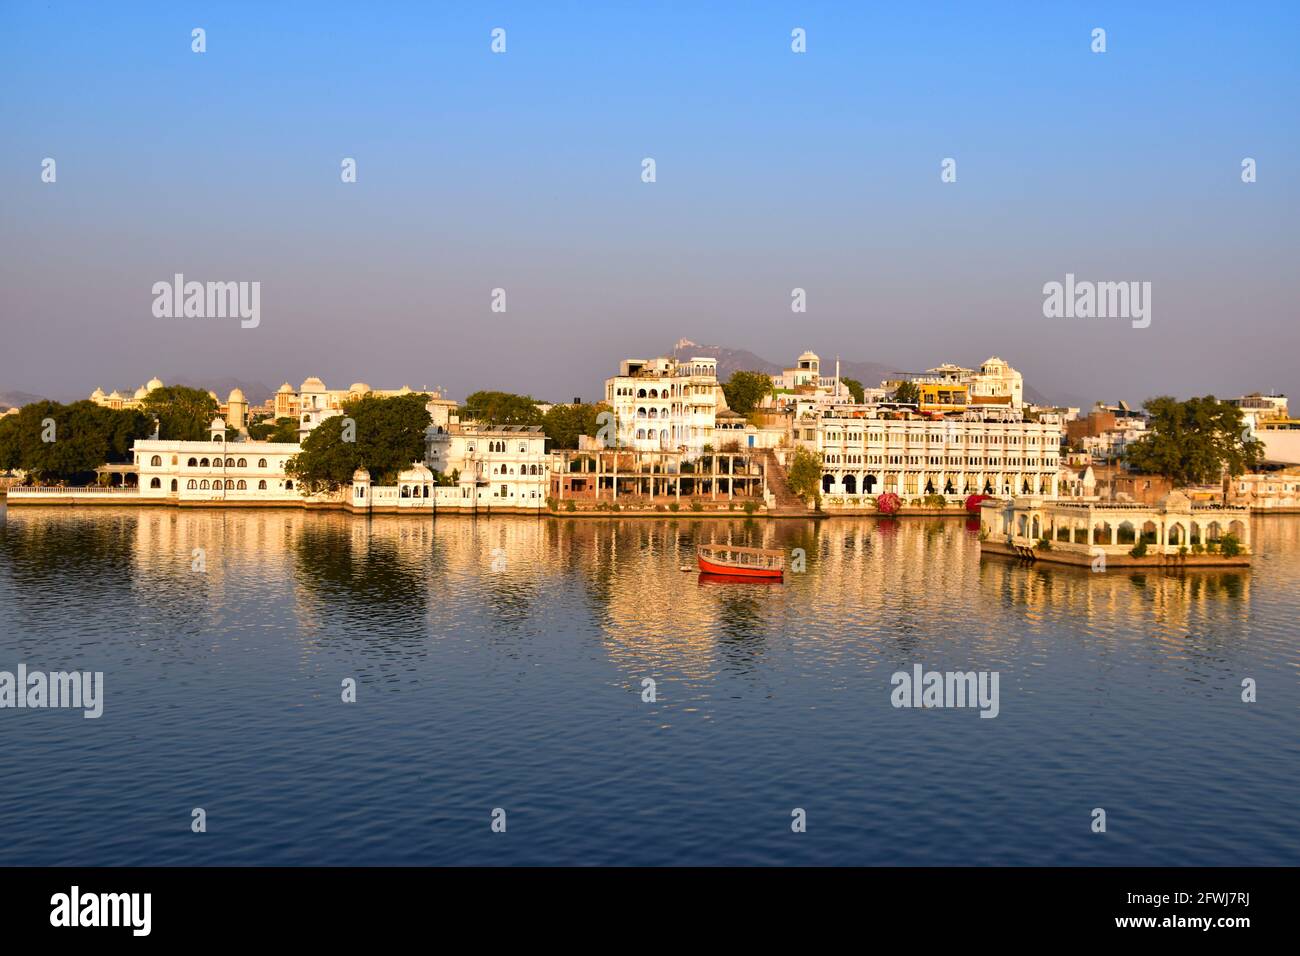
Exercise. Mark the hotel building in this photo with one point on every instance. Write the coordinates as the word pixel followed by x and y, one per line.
pixel 867 451
pixel 216 470
pixel 666 405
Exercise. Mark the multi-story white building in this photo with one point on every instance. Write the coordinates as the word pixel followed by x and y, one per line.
pixel 508 462
pixel 215 470
pixel 864 452
pixel 666 405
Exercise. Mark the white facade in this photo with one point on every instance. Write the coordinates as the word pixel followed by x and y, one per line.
pixel 215 470
pixel 868 456
pixel 509 462
pixel 666 405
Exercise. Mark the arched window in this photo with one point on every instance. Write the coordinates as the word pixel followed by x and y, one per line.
pixel 193 463
pixel 156 461
pixel 241 485
pixel 406 491
pixel 230 484
pixel 288 486
pixel 261 463
pixel 173 484
pixel 230 463
pixel 243 463
pixel 261 485
pixel 155 483
pixel 203 463
pixel 191 484
pixel 426 491
pixel 203 485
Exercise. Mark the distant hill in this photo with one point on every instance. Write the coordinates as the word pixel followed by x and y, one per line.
pixel 869 374
pixel 18 399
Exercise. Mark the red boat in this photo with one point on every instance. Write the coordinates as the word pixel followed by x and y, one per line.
pixel 737 562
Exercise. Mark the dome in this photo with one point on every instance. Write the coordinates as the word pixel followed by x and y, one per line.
pixel 218 424
pixel 153 383
pixel 214 395
pixel 359 387
pixel 115 394
pixel 417 472
pixel 236 395
pixel 97 394
pixel 360 475
pixel 312 384
pixel 404 390
pixel 140 393
pixel 809 355
pixel 286 388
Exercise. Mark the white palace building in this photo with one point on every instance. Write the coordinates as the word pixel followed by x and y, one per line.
pixel 865 451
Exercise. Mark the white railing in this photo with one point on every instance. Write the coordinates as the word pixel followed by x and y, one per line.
pixel 64 490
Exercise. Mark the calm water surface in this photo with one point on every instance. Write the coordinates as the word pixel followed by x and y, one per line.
pixel 520 688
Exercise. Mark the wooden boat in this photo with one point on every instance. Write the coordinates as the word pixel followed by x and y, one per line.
pixel 735 561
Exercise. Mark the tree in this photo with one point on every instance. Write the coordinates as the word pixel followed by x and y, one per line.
pixel 54 442
pixel 501 408
pixel 804 474
pixel 1194 442
pixel 745 390
pixel 280 430
pixel 563 424
pixel 183 413
pixel 388 436
pixel 907 393
pixel 855 389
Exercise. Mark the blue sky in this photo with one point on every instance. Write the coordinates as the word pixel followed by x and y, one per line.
pixel 522 171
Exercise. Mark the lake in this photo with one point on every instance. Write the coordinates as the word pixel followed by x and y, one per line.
pixel 499 663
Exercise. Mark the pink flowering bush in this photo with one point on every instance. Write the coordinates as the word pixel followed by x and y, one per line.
pixel 973 503
pixel 888 503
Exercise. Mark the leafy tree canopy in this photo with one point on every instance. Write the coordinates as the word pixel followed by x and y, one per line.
pixel 563 424
pixel 744 390
pixel 84 436
pixel 501 408
pixel 855 389
pixel 387 436
pixel 1194 442
pixel 907 392
pixel 183 413
pixel 804 474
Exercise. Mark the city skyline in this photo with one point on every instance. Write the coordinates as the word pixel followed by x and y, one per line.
pixel 522 171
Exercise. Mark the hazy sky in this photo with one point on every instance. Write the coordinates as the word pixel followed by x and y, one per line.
pixel 522 171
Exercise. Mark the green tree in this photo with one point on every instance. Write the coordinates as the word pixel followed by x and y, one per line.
pixel 82 436
pixel 183 413
pixel 563 424
pixel 1194 442
pixel 501 408
pixel 279 430
pixel 804 474
pixel 907 392
pixel 388 436
pixel 744 390
pixel 855 389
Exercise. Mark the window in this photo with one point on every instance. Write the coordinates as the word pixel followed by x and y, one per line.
pixel 191 484
pixel 230 484
pixel 193 463
pixel 261 485
pixel 230 463
pixel 203 485
pixel 243 463
pixel 203 463
pixel 154 482
pixel 261 463
pixel 156 461
pixel 241 485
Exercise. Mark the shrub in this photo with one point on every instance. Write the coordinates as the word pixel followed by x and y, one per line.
pixel 1198 548
pixel 674 506
pixel 973 503
pixel 917 502
pixel 750 507
pixel 570 506
pixel 1138 550
pixel 1044 544
pixel 1212 547
pixel 696 506
pixel 1230 546
pixel 888 503
pixel 936 501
